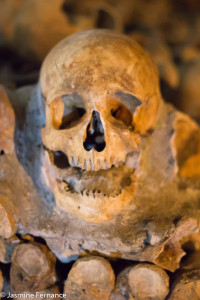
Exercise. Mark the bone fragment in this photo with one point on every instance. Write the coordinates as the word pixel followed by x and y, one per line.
pixel 8 225
pixel 90 278
pixel 32 268
pixel 142 282
pixel 186 284
pixel 6 248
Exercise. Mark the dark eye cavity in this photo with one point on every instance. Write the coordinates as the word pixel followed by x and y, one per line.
pixel 122 114
pixel 125 107
pixel 67 111
pixel 129 100
pixel 71 116
pixel 73 110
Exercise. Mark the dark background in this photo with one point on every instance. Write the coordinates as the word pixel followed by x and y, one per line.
pixel 168 29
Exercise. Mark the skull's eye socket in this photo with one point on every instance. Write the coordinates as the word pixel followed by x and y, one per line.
pixel 124 106
pixel 67 111
pixel 71 117
pixel 122 114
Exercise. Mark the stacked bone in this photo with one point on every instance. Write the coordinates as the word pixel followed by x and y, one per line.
pixel 143 281
pixel 186 284
pixel 93 278
pixel 33 270
pixel 90 278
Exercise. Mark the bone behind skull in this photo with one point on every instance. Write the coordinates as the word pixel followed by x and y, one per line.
pixel 102 95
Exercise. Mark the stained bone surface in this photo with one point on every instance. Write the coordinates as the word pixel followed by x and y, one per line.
pixel 144 281
pixel 32 268
pixel 90 278
pixel 143 196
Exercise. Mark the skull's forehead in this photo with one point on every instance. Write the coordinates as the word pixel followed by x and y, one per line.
pixel 97 61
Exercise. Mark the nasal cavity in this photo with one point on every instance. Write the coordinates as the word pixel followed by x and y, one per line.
pixel 95 134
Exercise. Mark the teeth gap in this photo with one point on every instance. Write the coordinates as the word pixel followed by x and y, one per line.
pixel 73 161
pixel 82 191
pixel 91 166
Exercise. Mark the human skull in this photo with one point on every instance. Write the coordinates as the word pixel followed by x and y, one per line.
pixel 102 96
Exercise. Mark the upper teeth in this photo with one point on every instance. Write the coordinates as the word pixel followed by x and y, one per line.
pixel 94 164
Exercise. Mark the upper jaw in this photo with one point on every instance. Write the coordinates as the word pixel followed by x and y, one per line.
pixel 106 182
pixel 62 162
pixel 95 164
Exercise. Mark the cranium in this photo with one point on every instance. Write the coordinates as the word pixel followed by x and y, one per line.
pixel 102 96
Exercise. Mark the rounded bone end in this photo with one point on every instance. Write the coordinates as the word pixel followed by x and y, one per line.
pixel 148 281
pixel 32 268
pixel 186 281
pixel 187 288
pixel 8 226
pixel 90 278
pixel 142 282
